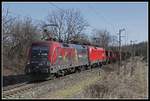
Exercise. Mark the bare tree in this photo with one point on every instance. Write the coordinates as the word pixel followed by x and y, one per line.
pixel 22 34
pixel 101 38
pixel 7 24
pixel 69 23
pixel 17 35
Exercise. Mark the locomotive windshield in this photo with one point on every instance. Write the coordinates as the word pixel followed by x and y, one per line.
pixel 39 52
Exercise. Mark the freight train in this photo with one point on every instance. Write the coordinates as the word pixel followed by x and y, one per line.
pixel 49 59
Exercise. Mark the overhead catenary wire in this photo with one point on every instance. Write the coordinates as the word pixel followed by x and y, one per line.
pixel 56 6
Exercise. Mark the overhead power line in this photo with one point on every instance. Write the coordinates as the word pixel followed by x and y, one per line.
pixel 56 6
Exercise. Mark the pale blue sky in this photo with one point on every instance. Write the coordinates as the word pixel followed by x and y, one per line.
pixel 101 15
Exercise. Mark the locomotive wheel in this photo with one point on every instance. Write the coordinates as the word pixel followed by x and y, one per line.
pixel 81 68
pixel 72 70
pixel 66 72
pixel 78 69
pixel 61 73
pixel 89 67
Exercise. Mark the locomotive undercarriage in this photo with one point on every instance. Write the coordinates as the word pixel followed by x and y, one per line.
pixel 44 73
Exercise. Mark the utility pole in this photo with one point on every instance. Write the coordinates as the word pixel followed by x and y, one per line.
pixel 132 44
pixel 120 30
pixel 132 50
pixel 120 44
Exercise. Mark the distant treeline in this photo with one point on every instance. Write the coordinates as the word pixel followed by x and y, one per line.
pixel 139 49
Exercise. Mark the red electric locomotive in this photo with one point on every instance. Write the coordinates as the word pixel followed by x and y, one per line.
pixel 48 59
pixel 97 55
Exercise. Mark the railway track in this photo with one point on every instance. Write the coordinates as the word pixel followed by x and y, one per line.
pixel 11 92
pixel 21 89
pixel 18 90
pixel 14 86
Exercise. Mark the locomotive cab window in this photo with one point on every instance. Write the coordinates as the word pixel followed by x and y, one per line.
pixel 39 52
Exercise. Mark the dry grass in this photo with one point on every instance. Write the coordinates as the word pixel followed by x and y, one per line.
pixel 130 83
